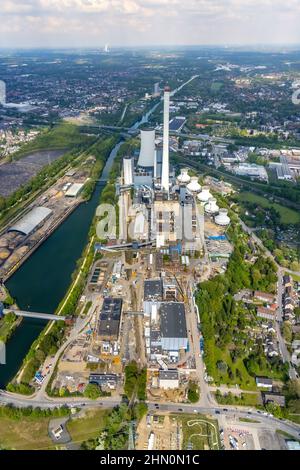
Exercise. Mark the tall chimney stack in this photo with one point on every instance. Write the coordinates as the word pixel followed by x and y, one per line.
pixel 165 164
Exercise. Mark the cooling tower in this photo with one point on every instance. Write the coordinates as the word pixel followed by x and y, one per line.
pixel 147 153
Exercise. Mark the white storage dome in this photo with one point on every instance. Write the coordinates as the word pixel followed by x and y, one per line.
pixel 211 207
pixel 194 185
pixel 222 218
pixel 205 195
pixel 184 177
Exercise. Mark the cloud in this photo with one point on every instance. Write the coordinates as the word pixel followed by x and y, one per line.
pixel 130 22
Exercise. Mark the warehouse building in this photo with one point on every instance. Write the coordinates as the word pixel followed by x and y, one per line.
pixel 173 327
pixel 31 221
pixel 109 321
pixel 74 190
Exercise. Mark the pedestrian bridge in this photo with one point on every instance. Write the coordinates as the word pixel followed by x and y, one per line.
pixel 40 316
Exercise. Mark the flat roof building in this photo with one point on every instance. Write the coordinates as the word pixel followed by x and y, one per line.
pixel 264 382
pixel 168 379
pixel 153 289
pixel 104 380
pixel 173 326
pixel 110 317
pixel 275 398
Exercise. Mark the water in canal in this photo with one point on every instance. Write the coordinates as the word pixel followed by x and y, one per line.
pixel 42 281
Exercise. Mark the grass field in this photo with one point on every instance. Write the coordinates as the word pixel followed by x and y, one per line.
pixel 87 427
pixel 295 277
pixel 246 399
pixel 246 383
pixel 25 434
pixel 199 432
pixel 287 216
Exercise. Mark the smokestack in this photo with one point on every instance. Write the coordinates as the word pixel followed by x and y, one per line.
pixel 165 165
pixel 147 153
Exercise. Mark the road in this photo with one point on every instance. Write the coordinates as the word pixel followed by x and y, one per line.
pixel 107 403
pixel 231 412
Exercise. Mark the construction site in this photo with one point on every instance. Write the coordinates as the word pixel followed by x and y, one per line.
pixel 177 432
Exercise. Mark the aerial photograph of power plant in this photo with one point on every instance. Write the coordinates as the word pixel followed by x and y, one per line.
pixel 149 230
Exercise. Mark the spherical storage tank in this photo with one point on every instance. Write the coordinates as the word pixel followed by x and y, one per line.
pixel 184 177
pixel 194 185
pixel 211 207
pixel 222 218
pixel 205 195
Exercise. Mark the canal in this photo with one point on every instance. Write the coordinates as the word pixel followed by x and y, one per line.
pixel 42 281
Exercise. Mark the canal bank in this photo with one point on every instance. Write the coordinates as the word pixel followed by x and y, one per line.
pixel 42 281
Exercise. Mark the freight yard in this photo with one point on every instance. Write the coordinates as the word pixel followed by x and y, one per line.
pixel 39 220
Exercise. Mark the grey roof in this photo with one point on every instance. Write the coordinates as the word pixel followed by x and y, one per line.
pixel 264 380
pixel 274 398
pixel 102 379
pixel 172 320
pixel 168 375
pixel 110 317
pixel 31 220
pixel 153 289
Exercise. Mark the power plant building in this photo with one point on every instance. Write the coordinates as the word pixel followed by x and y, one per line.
pixel 173 327
pixel 110 318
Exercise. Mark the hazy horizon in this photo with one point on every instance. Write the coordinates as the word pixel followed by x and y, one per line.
pixel 148 23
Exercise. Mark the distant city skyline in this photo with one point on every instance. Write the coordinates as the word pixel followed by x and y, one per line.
pixel 94 23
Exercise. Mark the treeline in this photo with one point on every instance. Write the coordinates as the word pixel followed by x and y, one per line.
pixel 9 411
pixel 135 381
pixel 62 136
pixel 222 318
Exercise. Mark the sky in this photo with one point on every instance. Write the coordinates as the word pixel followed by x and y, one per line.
pixel 92 23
